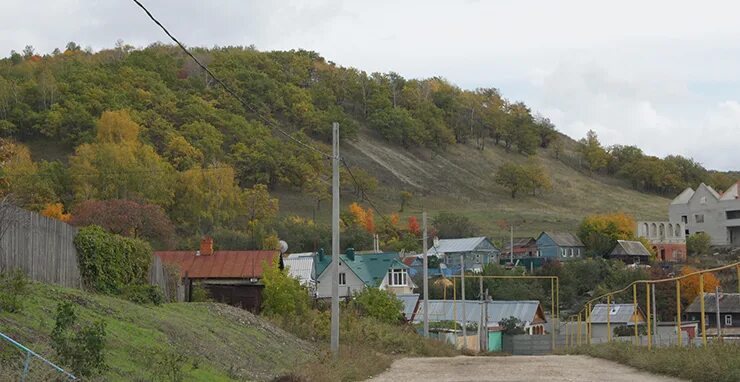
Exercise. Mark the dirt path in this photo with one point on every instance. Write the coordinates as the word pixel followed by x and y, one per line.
pixel 515 368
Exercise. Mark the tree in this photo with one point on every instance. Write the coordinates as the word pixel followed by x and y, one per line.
pixel 405 198
pixel 600 232
pixel 413 226
pixel 379 304
pixel 513 177
pixel 698 243
pixel 283 295
pixel 260 207
pixel 592 151
pixel 56 211
pixel 690 285
pixel 127 218
pixel 450 226
pixel 512 326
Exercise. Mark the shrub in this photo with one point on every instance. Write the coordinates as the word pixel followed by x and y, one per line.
pixel 512 325
pixel 698 243
pixel 628 331
pixel 13 287
pixel 379 304
pixel 283 295
pixel 199 293
pixel 108 262
pixel 80 347
pixel 143 294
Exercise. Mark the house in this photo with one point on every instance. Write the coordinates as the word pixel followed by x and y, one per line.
pixel 523 247
pixel 559 246
pixel 630 252
pixel 668 239
pixel 416 262
pixel 729 312
pixel 706 210
pixel 300 266
pixel 618 315
pixel 231 277
pixel 477 252
pixel 360 271
pixel 530 313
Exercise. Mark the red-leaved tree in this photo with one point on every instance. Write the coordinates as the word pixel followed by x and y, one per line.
pixel 127 218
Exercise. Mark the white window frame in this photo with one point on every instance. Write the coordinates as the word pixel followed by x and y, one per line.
pixel 728 320
pixel 342 279
pixel 397 277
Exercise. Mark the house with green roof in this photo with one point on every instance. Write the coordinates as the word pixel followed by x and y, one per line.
pixel 360 271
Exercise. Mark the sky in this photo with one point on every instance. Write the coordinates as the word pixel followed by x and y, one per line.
pixel 661 75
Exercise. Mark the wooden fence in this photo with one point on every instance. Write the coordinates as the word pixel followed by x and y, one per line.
pixel 41 247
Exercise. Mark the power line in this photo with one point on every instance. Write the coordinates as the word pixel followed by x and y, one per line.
pixel 264 119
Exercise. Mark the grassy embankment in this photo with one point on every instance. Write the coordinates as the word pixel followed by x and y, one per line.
pixel 716 362
pixel 206 341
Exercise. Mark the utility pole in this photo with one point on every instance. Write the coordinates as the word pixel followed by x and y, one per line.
pixel 465 318
pixel 511 246
pixel 655 317
pixel 425 274
pixel 335 243
pixel 719 325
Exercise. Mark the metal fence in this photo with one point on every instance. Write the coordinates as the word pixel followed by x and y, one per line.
pixel 32 366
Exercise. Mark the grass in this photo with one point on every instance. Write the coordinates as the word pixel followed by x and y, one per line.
pixel 218 342
pixel 461 179
pixel 717 362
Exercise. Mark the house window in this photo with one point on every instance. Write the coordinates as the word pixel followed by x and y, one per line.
pixel 562 252
pixel 699 218
pixel 342 279
pixel 397 277
pixel 684 219
pixel 728 320
pixel 733 214
pixel 703 200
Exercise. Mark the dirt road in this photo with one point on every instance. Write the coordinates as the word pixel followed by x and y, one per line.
pixel 515 368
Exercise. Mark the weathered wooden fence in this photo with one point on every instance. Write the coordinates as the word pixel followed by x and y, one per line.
pixel 41 247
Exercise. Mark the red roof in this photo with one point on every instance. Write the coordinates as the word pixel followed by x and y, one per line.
pixel 221 264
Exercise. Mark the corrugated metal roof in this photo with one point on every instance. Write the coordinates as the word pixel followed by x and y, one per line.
pixel 444 310
pixel 521 242
pixel 409 304
pixel 728 303
pixel 221 264
pixel 300 266
pixel 630 247
pixel 564 239
pixel 467 244
pixel 618 314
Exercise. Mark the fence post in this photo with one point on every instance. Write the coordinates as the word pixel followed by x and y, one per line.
pixel 647 304
pixel 634 304
pixel 588 324
pixel 703 323
pixel 678 311
pixel 26 366
pixel 552 311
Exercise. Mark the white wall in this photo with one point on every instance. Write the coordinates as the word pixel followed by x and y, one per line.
pixel 353 283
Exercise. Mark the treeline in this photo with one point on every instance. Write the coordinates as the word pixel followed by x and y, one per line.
pixel 666 176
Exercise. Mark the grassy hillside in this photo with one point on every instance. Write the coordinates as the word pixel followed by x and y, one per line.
pixel 217 342
pixel 461 179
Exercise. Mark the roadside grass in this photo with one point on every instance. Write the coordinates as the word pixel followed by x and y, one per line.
pixel 197 341
pixel 718 362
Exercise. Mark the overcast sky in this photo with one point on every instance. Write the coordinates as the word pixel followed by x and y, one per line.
pixel 662 75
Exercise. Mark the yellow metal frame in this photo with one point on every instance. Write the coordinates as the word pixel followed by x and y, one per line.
pixel 554 295
pixel 648 283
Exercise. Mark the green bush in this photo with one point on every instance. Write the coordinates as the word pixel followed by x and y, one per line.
pixel 80 347
pixel 628 331
pixel 143 294
pixel 379 304
pixel 13 288
pixel 698 243
pixel 512 325
pixel 108 262
pixel 283 295
pixel 199 293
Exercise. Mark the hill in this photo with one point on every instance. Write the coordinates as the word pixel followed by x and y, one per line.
pixel 216 342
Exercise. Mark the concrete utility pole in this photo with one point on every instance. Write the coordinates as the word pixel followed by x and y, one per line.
pixel 335 243
pixel 719 325
pixel 465 318
pixel 425 274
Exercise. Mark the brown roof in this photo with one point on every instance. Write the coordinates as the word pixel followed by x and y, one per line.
pixel 221 264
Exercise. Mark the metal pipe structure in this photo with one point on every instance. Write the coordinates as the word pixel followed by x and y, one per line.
pixel 462 291
pixel 608 319
pixel 678 311
pixel 647 304
pixel 634 312
pixel 655 312
pixel 579 329
pixel 717 317
pixel 30 353
pixel 425 274
pixel 552 312
pixel 335 243
pixel 588 323
pixel 701 299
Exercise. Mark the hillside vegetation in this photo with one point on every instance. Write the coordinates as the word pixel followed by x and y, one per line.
pixel 199 341
pixel 150 126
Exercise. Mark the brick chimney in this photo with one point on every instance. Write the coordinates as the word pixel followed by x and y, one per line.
pixel 206 246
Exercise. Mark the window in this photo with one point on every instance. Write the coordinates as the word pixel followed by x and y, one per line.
pixel 703 200
pixel 699 218
pixel 397 277
pixel 342 279
pixel 684 219
pixel 728 320
pixel 733 214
